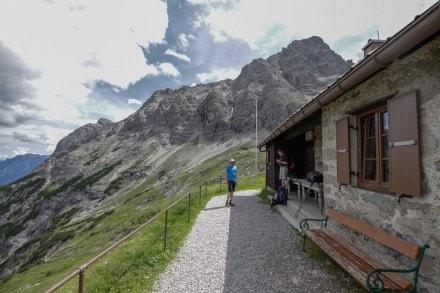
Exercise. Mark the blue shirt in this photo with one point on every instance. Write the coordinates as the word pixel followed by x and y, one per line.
pixel 232 173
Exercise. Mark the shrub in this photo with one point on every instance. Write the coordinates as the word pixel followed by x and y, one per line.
pixel 51 191
pixel 32 186
pixel 94 177
pixel 64 218
pixel 11 229
pixel 114 185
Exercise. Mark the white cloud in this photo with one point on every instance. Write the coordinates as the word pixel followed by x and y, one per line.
pixel 71 44
pixel 220 74
pixel 62 108
pixel 207 1
pixel 220 36
pixel 113 111
pixel 184 40
pixel 74 42
pixel 264 22
pixel 118 113
pixel 134 102
pixel 177 55
pixel 168 69
pixel 21 151
pixel 32 138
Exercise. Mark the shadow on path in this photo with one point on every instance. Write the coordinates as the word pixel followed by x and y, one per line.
pixel 265 255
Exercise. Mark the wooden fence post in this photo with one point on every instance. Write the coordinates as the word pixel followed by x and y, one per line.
pixel 81 281
pixel 166 231
pixel 189 207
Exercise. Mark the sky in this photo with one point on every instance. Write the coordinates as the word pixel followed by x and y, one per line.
pixel 64 64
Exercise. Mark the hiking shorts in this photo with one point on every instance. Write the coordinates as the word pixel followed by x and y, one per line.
pixel 231 186
pixel 283 172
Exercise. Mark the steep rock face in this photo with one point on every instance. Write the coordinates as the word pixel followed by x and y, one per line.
pixel 213 116
pixel 202 111
pixel 262 82
pixel 80 136
pixel 86 163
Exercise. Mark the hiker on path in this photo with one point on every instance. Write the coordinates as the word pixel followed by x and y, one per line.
pixel 231 177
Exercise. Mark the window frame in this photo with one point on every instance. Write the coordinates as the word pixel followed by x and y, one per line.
pixel 377 183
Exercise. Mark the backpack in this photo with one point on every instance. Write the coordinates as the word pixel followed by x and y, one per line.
pixel 290 167
pixel 281 197
pixel 314 177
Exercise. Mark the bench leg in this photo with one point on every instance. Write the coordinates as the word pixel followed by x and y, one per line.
pixel 304 242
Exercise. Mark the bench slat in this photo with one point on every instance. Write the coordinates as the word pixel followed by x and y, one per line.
pixel 355 262
pixel 409 249
pixel 372 262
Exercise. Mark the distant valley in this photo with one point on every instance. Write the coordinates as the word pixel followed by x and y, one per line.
pixel 19 166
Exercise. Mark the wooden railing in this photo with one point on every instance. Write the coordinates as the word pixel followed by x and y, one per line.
pixel 80 272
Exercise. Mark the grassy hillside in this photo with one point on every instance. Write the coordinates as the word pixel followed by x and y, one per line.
pixel 135 264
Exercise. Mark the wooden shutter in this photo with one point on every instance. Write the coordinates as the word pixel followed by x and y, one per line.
pixel 404 143
pixel 343 151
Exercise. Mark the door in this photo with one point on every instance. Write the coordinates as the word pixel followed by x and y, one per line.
pixel 270 170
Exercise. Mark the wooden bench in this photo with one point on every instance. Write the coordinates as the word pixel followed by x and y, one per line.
pixel 303 185
pixel 366 270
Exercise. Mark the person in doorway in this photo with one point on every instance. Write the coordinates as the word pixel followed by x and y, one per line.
pixel 282 161
pixel 231 177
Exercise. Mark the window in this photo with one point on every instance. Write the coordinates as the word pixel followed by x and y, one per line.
pixel 374 154
pixel 388 152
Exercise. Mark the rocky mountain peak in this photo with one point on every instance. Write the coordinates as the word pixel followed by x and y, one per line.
pixel 104 121
pixel 81 135
pixel 310 64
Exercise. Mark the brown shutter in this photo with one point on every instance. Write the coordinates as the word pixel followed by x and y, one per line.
pixel 405 171
pixel 343 151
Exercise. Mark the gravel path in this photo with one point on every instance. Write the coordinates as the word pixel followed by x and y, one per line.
pixel 245 248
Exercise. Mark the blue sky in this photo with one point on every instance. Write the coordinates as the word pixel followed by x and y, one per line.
pixel 67 63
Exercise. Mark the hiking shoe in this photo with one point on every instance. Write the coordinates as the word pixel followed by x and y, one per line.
pixel 231 204
pixel 227 203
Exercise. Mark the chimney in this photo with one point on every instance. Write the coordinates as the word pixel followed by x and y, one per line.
pixel 372 45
